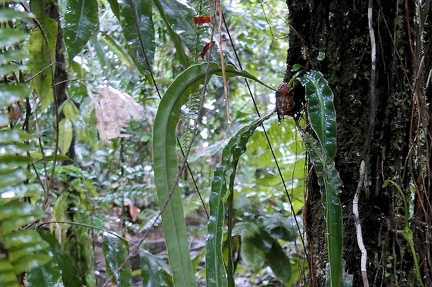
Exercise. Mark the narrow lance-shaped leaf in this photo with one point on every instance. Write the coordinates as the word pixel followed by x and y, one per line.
pixel 117 49
pixel 165 165
pixel 81 22
pixel 322 117
pixel 115 7
pixel 321 111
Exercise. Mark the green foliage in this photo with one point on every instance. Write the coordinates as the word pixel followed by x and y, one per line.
pixel 21 249
pixel 59 270
pixel 83 193
pixel 406 232
pixel 77 242
pixel 137 23
pixel 216 274
pixel 165 164
pixel 81 22
pixel 42 51
pixel 322 117
pixel 178 17
pixel 116 259
pixel 65 135
pixel 260 246
pixel 154 271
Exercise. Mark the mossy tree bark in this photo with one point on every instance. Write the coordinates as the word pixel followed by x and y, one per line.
pixel 383 119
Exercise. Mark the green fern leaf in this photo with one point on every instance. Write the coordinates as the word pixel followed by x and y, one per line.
pixel 20 249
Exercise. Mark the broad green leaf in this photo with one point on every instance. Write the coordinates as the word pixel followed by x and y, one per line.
pixel 165 165
pixel 116 253
pixel 42 49
pixel 136 20
pixel 280 227
pixel 65 135
pixel 180 15
pixel 70 111
pixel 178 18
pixel 215 267
pixel 253 256
pixel 81 72
pixel 9 279
pixel 81 22
pixel 12 93
pixel 5 265
pixel 279 262
pixel 258 247
pixel 69 272
pixel 11 224
pixel 46 275
pixel 154 271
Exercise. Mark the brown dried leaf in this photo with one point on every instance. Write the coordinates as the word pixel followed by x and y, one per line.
pixel 202 19
pixel 14 112
pixel 133 212
pixel 114 110
pixel 206 48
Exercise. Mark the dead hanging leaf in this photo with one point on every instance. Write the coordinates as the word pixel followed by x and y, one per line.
pixel 133 212
pixel 206 48
pixel 202 19
pixel 14 112
pixel 114 110
pixel 132 209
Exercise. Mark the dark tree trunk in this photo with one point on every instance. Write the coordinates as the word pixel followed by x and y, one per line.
pixel 76 243
pixel 383 120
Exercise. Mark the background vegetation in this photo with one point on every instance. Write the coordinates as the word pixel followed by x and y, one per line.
pixel 78 208
pixel 139 144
